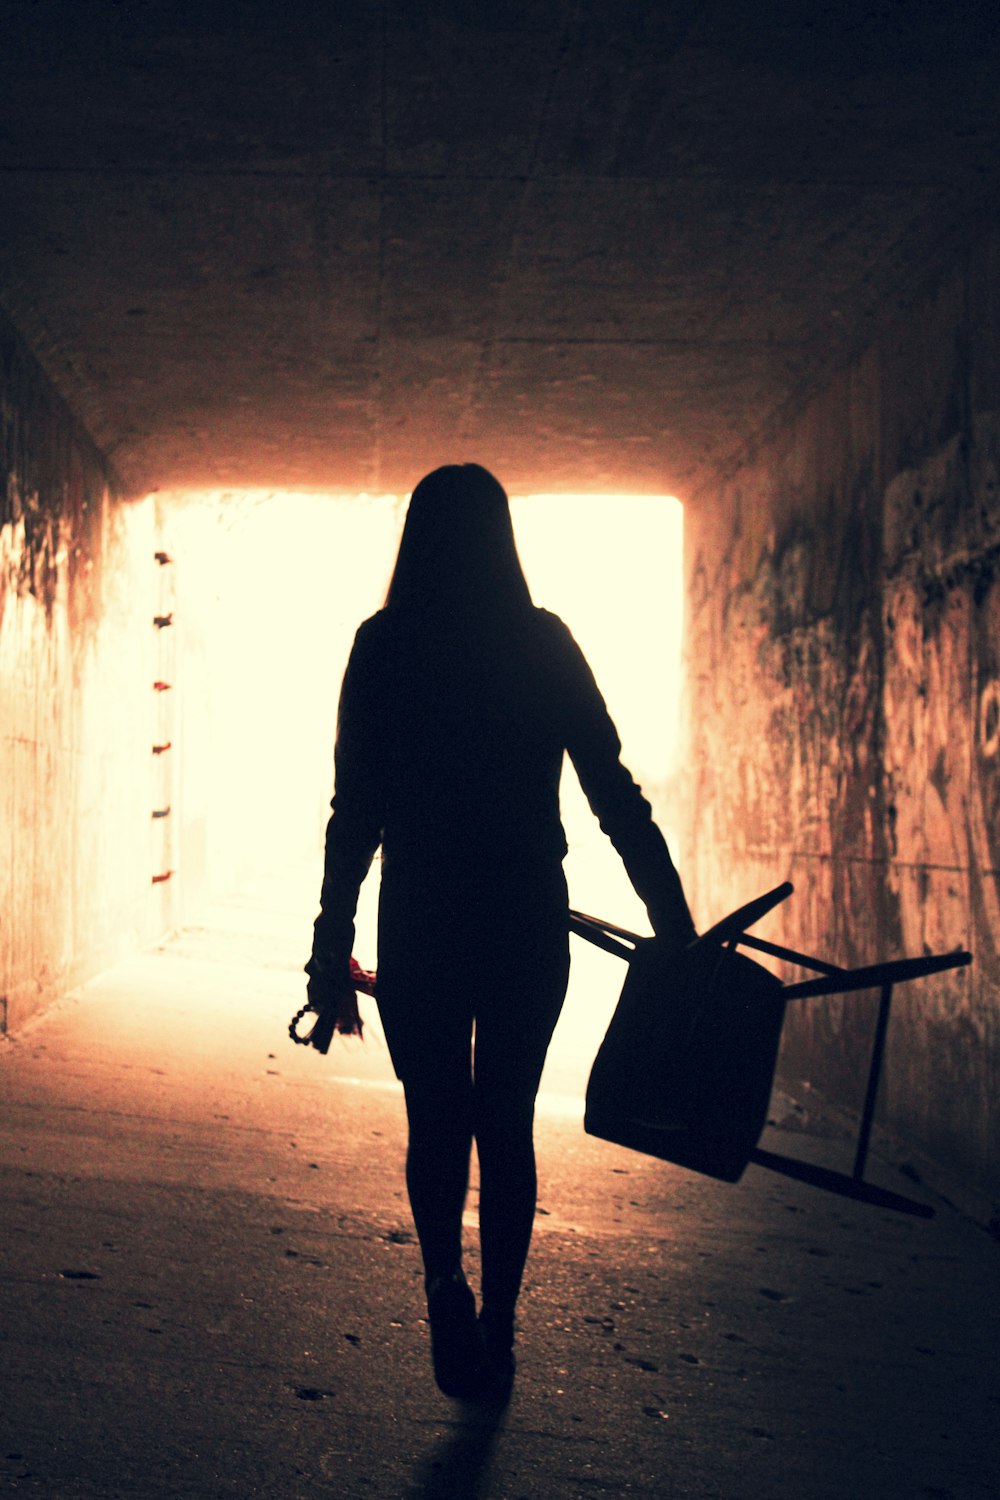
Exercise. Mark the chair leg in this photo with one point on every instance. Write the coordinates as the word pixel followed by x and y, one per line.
pixel 874 1078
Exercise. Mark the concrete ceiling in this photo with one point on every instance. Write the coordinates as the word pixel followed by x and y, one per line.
pixel 593 245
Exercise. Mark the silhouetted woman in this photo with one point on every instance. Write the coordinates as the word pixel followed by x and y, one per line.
pixel 457 704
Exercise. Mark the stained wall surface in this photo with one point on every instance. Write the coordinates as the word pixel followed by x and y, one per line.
pixel 77 706
pixel 844 679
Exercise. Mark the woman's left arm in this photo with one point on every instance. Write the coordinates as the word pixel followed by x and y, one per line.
pixel 618 803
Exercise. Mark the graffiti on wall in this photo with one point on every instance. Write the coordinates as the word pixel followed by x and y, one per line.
pixel 54 494
pixel 848 738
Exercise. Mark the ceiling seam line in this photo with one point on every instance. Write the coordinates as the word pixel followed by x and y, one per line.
pixel 516 179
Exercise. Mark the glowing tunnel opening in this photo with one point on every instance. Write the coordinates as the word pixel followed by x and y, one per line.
pixel 612 567
pixel 270 590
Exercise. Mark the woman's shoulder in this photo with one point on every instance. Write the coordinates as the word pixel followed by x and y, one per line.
pixel 539 631
pixel 371 648
pixel 380 620
pixel 553 630
pixel 375 630
pixel 548 623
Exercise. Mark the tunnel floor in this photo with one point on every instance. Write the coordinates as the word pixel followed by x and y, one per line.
pixel 211 1286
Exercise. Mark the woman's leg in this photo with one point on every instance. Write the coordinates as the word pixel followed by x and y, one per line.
pixel 514 1025
pixel 427 1020
pixel 507 1194
pixel 439 1112
pixel 509 966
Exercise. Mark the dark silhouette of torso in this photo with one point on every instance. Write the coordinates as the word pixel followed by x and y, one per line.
pixel 450 739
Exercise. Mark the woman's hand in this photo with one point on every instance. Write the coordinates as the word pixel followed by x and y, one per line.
pixel 336 1004
pixel 347 1016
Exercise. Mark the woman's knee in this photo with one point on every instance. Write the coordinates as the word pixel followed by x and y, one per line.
pixel 503 1122
pixel 437 1107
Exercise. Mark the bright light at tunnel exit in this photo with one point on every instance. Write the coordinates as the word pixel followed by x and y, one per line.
pixel 612 567
pixel 284 581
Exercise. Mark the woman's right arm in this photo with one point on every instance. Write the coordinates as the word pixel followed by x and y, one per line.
pixel 354 830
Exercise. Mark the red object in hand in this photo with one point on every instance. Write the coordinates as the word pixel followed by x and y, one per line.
pixel 362 979
pixel 342 1015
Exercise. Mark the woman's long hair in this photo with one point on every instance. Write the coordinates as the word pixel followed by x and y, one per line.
pixel 457 554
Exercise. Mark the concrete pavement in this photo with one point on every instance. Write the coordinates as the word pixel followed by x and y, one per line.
pixel 211 1288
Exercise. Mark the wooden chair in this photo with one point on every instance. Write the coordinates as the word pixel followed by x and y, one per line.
pixel 686 1069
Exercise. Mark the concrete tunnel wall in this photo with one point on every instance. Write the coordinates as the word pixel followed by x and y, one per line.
pixel 78 589
pixel 843 660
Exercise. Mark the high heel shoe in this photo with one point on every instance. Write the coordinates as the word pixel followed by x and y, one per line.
pixel 498 1343
pixel 457 1346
